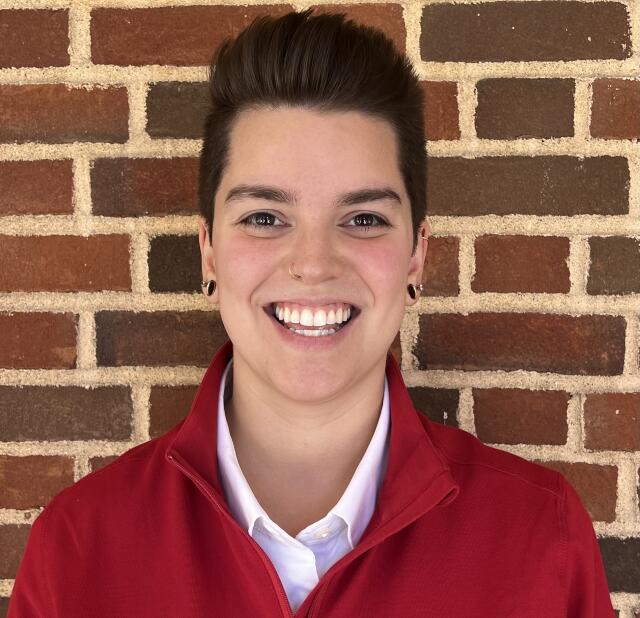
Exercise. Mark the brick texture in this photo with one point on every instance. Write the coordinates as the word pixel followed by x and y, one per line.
pixel 612 421
pixel 34 38
pixel 65 263
pixel 56 113
pixel 531 342
pixel 440 274
pixel 438 404
pixel 177 110
pixel 545 185
pixel 32 481
pixel 615 265
pixel 168 405
pixel 13 539
pixel 174 264
pixel 518 416
pixel 95 463
pixel 515 108
pixel 52 194
pixel 614 110
pixel 521 264
pixel 158 338
pixel 144 187
pixel 524 31
pixel 621 558
pixel 38 340
pixel 441 116
pixel 65 413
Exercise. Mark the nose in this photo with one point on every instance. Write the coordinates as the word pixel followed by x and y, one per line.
pixel 314 256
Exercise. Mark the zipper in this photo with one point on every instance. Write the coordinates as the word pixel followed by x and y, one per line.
pixel 273 574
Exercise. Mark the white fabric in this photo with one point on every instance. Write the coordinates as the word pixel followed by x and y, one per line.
pixel 300 562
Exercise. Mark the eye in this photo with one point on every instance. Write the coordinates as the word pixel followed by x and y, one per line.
pixel 253 219
pixel 368 216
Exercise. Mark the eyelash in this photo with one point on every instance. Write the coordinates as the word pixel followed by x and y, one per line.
pixel 382 223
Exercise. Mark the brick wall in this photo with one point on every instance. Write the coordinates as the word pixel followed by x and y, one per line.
pixel 528 334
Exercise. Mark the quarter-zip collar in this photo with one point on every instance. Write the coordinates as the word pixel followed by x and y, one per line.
pixel 417 477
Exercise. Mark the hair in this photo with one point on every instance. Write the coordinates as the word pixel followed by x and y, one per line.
pixel 319 62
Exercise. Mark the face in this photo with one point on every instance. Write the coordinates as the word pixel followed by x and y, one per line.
pixel 355 251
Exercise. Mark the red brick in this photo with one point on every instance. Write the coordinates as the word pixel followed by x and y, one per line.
pixel 596 485
pixel 517 108
pixel 174 264
pixel 96 463
pixel 144 187
pixel 519 416
pixel 612 421
pixel 528 341
pixel 34 38
pixel 13 539
pixel 36 187
pixel 38 340
pixel 547 185
pixel 178 36
pixel 56 113
pixel 65 413
pixel 441 115
pixel 65 263
pixel 31 481
pixel 440 274
pixel 438 404
pixel 615 265
pixel 385 17
pixel 517 31
pixel 614 111
pixel 521 264
pixel 177 109
pixel 158 338
pixel 621 559
pixel 168 406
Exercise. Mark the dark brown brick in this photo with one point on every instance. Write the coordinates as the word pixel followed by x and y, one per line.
pixel 31 481
pixel 621 558
pixel 528 341
pixel 441 115
pixel 521 264
pixel 95 463
pixel 516 108
pixel 65 413
pixel 13 539
pixel 517 31
pixel 612 421
pixel 4 606
pixel 174 264
pixel 520 416
pixel 168 406
pixel 158 338
pixel 56 113
pixel 549 185
pixel 438 404
pixel 178 36
pixel 385 17
pixel 144 187
pixel 596 485
pixel 65 263
pixel 615 265
pixel 440 274
pixel 38 340
pixel 34 38
pixel 36 187
pixel 614 111
pixel 177 109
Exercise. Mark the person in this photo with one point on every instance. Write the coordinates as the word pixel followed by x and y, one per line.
pixel 303 480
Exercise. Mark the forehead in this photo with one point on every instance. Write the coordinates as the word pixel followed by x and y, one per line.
pixel 301 144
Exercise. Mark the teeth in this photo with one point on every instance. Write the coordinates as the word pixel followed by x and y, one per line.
pixel 307 317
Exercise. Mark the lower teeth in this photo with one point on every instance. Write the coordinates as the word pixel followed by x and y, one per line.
pixel 315 333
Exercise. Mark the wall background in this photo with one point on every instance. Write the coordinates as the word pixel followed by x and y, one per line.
pixel 528 334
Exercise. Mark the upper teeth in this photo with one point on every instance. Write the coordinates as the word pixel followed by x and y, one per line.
pixel 307 316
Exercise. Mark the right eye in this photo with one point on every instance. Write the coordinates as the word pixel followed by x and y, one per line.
pixel 257 219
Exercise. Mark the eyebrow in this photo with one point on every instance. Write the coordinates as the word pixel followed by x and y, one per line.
pixel 274 194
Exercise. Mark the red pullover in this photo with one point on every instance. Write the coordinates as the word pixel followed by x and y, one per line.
pixel 460 530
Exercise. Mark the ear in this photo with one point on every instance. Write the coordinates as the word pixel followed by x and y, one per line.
pixel 418 259
pixel 207 258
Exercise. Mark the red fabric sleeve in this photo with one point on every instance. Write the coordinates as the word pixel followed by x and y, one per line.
pixel 588 591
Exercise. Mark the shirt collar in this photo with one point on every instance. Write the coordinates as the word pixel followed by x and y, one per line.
pixel 357 503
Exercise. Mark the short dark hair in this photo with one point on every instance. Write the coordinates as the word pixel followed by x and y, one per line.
pixel 324 63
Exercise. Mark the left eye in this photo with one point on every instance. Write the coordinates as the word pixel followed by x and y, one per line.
pixel 252 220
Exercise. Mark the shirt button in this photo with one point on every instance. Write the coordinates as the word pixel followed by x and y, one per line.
pixel 322 534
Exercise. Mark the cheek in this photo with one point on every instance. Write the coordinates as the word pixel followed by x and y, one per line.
pixel 242 259
pixel 382 266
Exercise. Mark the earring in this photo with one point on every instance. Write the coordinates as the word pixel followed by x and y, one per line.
pixel 208 286
pixel 412 289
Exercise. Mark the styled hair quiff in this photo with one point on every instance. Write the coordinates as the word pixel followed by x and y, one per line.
pixel 322 62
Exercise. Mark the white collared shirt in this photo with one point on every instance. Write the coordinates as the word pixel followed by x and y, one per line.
pixel 301 562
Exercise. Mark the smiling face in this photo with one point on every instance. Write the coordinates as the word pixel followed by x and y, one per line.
pixel 338 243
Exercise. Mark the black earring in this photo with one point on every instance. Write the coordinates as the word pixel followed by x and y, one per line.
pixel 209 287
pixel 413 290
